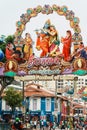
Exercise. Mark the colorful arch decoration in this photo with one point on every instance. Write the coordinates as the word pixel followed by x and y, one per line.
pixel 47 9
pixel 47 66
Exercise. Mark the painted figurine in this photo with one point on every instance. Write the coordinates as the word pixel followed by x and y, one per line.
pixel 67 45
pixel 28 47
pixel 9 52
pixel 48 40
pixel 54 41
pixel 84 53
pixel 43 44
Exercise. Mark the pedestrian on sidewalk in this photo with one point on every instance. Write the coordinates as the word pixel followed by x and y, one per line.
pixel 54 125
pixel 62 127
pixel 38 125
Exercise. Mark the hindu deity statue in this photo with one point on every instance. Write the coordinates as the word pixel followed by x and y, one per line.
pixel 47 40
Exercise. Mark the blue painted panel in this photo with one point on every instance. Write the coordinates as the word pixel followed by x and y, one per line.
pixel 43 104
pixel 51 118
pixel 52 104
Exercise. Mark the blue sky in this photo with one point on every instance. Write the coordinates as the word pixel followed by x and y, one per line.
pixel 11 10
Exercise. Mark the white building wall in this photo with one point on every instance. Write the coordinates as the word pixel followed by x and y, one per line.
pixel 49 85
pixel 3 105
pixel 39 104
pixel 82 81
pixel 59 107
pixel 30 104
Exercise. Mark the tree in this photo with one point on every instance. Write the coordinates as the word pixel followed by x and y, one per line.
pixel 9 38
pixel 4 82
pixel 13 98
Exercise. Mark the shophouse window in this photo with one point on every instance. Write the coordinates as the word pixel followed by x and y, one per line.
pixel 48 104
pixel 34 104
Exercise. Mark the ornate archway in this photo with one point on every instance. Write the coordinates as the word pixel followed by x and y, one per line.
pixel 47 66
pixel 47 9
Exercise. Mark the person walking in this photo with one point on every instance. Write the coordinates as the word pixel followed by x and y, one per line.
pixel 42 124
pixel 38 125
pixel 54 125
pixel 35 124
pixel 62 127
pixel 51 125
pixel 17 125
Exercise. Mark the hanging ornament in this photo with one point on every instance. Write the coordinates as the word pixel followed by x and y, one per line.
pixel 76 20
pixel 64 9
pixel 18 23
pixel 29 11
pixel 38 9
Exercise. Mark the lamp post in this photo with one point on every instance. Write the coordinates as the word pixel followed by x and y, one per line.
pixel 75 86
pixel 55 94
pixel 23 102
pixel 23 94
